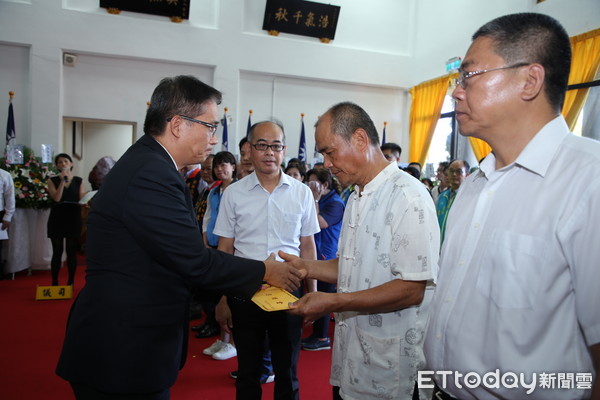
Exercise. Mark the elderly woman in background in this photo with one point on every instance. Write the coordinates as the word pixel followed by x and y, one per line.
pixel 64 222
pixel 330 212
pixel 99 172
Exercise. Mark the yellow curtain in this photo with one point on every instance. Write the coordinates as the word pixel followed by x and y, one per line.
pixel 584 67
pixel 427 102
pixel 480 148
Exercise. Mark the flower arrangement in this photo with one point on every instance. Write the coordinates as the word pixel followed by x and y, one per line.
pixel 30 180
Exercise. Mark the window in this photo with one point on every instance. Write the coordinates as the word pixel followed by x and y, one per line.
pixel 444 141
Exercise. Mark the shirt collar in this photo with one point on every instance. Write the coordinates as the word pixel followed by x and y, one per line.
pixel 539 152
pixel 379 179
pixel 253 181
pixel 172 159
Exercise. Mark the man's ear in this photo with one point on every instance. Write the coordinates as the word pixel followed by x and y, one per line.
pixel 174 126
pixel 534 82
pixel 360 139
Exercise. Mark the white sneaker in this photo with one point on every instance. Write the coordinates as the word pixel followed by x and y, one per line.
pixel 227 351
pixel 213 348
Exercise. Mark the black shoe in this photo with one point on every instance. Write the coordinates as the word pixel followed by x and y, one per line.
pixel 197 328
pixel 207 332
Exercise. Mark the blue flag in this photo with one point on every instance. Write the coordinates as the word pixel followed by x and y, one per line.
pixel 383 136
pixel 10 125
pixel 302 146
pixel 225 139
pixel 249 123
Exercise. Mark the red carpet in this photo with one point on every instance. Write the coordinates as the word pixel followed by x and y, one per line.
pixel 31 334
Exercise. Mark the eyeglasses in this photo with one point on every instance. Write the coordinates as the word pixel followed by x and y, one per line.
pixel 212 127
pixel 263 146
pixel 458 171
pixel 464 75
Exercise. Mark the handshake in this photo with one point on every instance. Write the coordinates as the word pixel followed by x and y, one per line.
pixel 287 275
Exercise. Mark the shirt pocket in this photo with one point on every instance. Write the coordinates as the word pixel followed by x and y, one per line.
pixel 510 270
pixel 373 366
pixel 290 226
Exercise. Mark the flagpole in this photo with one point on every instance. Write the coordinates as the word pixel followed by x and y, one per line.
pixel 249 122
pixel 10 124
pixel 383 136
pixel 302 146
pixel 224 137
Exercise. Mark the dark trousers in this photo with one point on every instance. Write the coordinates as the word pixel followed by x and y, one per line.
pixel 251 326
pixel 57 251
pixel 336 393
pixel 84 392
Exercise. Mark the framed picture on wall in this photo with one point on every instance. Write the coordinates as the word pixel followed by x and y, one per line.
pixel 77 140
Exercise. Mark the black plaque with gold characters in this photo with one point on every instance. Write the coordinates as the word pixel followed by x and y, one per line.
pixel 177 10
pixel 299 17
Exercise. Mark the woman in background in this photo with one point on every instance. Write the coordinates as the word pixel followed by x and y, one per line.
pixel 223 170
pixel 64 222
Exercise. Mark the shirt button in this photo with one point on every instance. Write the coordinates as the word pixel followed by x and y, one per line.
pixel 448 299
pixel 476 225
pixel 461 262
pixel 438 335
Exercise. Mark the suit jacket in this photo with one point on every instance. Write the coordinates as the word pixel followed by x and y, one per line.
pixel 128 328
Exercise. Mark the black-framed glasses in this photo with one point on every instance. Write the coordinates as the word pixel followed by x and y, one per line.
pixel 464 75
pixel 263 146
pixel 459 171
pixel 212 127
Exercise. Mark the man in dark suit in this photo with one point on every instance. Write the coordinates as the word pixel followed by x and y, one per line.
pixel 127 332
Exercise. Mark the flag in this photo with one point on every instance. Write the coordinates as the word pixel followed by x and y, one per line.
pixel 10 125
pixel 302 145
pixel 383 136
pixel 225 139
pixel 249 123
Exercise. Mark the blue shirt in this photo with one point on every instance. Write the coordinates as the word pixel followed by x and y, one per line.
pixel 443 208
pixel 331 208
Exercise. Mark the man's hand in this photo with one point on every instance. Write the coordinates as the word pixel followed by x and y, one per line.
pixel 282 275
pixel 5 225
pixel 316 188
pixel 295 262
pixel 313 306
pixel 223 315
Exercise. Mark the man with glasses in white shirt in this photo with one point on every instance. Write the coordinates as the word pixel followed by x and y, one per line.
pixel 264 213
pixel 516 310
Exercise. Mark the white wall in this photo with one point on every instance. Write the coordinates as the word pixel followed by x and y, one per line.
pixel 382 47
pixel 109 88
pixel 444 28
pixel 14 76
pixel 287 98
pixel 96 140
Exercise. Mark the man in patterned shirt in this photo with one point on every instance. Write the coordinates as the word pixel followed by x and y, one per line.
pixel 387 257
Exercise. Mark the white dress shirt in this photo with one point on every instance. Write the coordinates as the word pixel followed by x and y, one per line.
pixel 520 269
pixel 7 195
pixel 263 223
pixel 389 231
